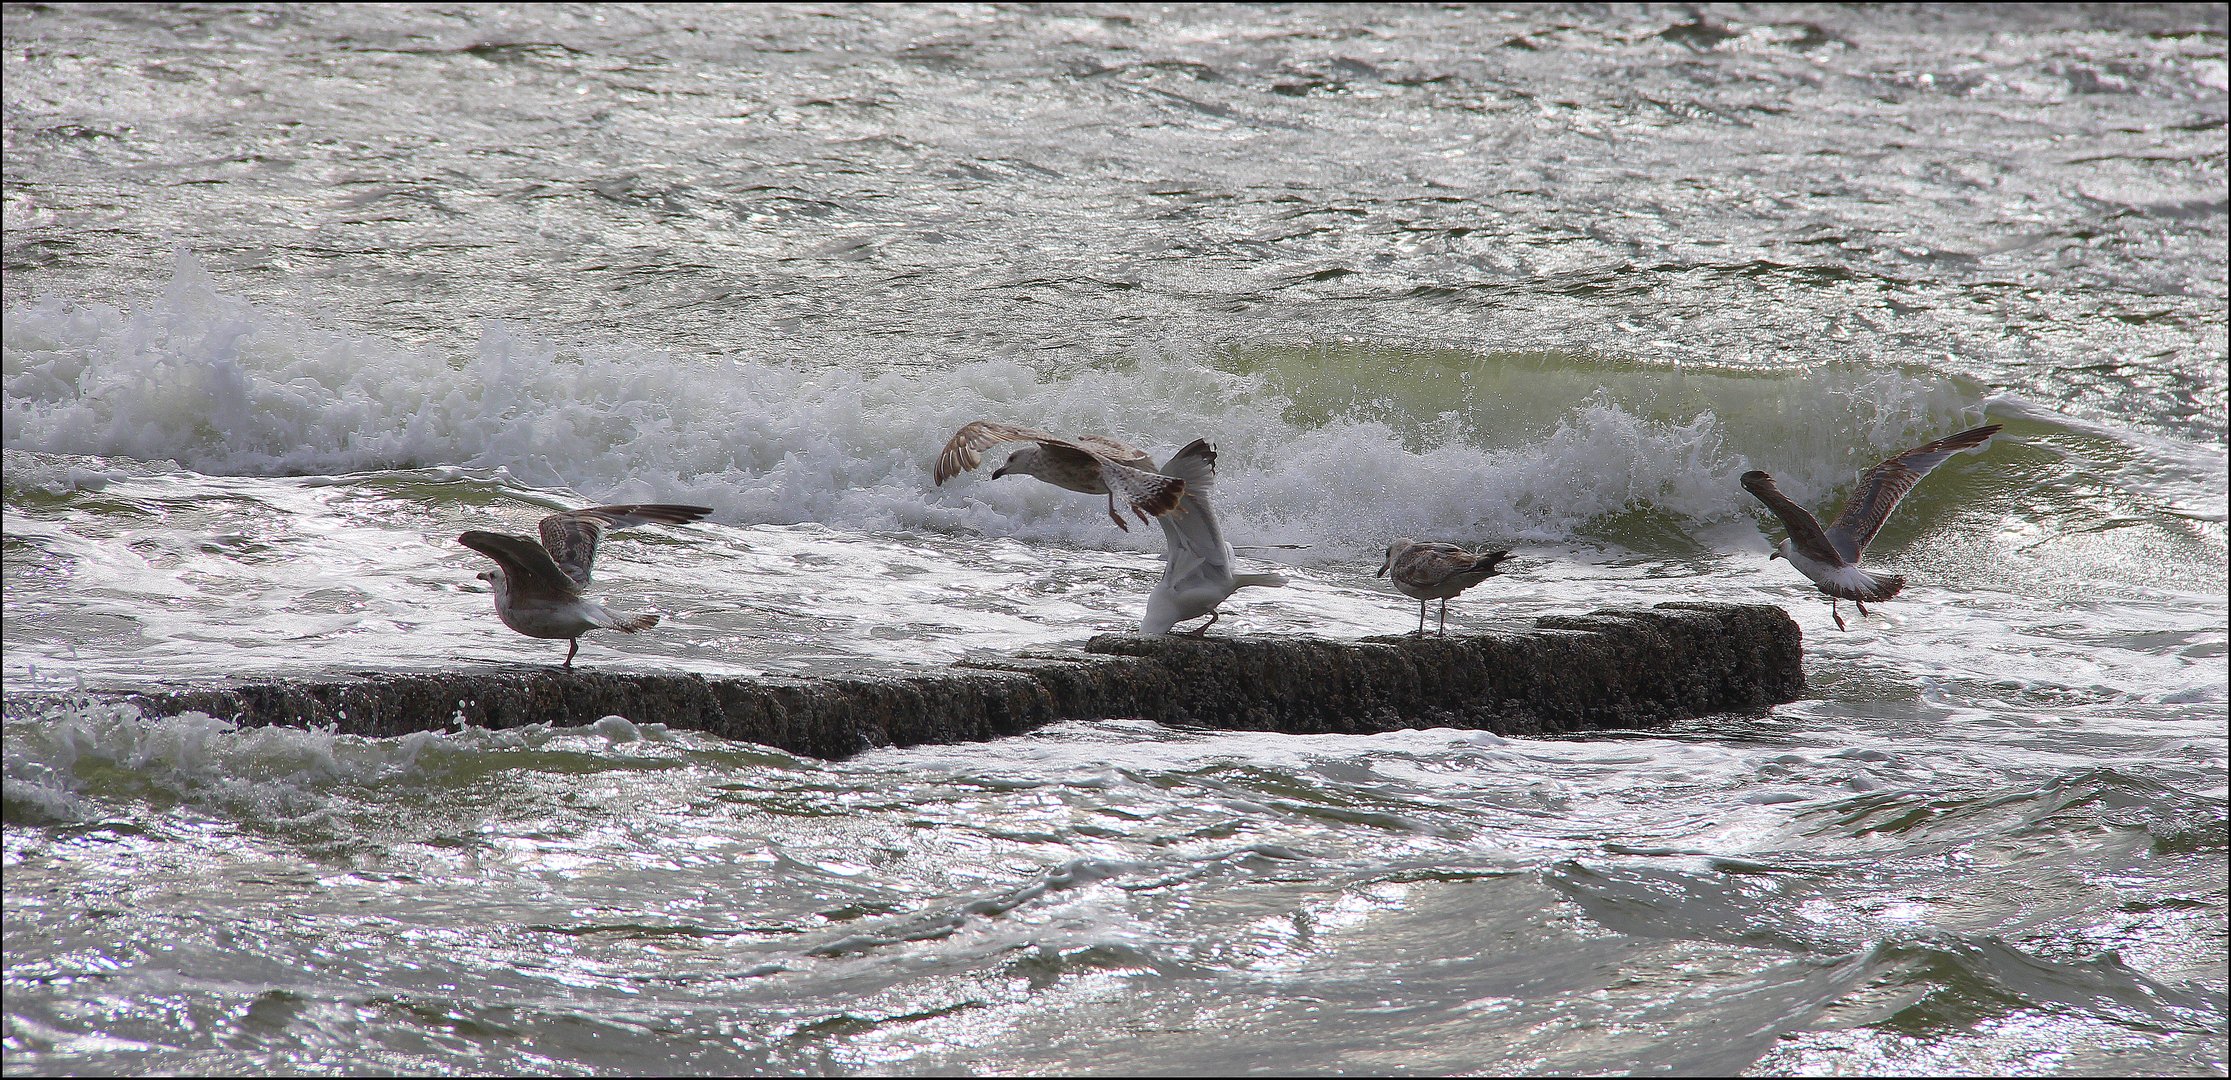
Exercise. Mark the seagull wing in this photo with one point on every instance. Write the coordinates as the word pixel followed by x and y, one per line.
pixel 1197 547
pixel 1881 487
pixel 527 568
pixel 1196 465
pixel 570 538
pixel 1428 564
pixel 1804 531
pixel 1116 450
pixel 1432 565
pixel 1197 551
pixel 965 450
pixel 1485 564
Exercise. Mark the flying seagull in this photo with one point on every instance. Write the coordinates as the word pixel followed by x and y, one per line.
pixel 1831 557
pixel 1429 570
pixel 538 586
pixel 1197 570
pixel 1093 464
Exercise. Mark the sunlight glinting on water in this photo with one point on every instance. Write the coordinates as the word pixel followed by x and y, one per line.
pixel 295 295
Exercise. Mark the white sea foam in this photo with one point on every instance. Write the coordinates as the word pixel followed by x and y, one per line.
pixel 222 386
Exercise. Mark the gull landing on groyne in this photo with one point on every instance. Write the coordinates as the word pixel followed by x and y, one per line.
pixel 1611 669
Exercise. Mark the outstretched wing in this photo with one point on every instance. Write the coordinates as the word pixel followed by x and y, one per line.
pixel 965 450
pixel 527 568
pixel 571 537
pixel 1197 551
pixel 1881 487
pixel 1804 531
pixel 1196 465
pixel 1117 450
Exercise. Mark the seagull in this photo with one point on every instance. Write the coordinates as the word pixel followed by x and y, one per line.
pixel 1197 571
pixel 1093 464
pixel 1831 558
pixel 1429 570
pixel 538 586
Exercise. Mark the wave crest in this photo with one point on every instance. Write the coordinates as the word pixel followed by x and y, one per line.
pixel 222 386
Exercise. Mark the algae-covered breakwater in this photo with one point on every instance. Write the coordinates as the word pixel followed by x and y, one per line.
pixel 1619 668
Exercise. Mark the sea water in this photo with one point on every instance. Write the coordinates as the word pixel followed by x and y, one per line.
pixel 294 295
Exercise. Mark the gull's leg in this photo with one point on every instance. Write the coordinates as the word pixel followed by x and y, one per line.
pixel 1421 618
pixel 1113 516
pixel 1444 617
pixel 1862 605
pixel 572 647
pixel 1203 629
pixel 1837 614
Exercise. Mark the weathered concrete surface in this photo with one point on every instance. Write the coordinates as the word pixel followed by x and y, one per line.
pixel 1623 668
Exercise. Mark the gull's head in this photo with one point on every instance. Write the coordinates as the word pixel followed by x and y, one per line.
pixel 1388 564
pixel 494 578
pixel 1024 461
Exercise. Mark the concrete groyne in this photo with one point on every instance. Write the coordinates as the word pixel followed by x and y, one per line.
pixel 1620 668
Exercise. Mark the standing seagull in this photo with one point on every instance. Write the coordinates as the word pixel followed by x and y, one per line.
pixel 1831 558
pixel 1197 570
pixel 1093 464
pixel 1428 570
pixel 538 586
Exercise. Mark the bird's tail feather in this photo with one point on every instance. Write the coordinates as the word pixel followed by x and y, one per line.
pixel 1857 584
pixel 626 624
pixel 1241 581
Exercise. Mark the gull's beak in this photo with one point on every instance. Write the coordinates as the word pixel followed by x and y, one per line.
pixel 1383 568
pixel 999 472
pixel 1773 555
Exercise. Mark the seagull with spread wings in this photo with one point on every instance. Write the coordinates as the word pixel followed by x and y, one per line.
pixel 538 586
pixel 1093 464
pixel 1830 557
pixel 1430 570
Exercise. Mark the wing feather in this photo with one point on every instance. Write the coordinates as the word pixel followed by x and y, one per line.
pixel 1804 530
pixel 1197 552
pixel 965 450
pixel 527 567
pixel 1881 487
pixel 1431 564
pixel 1116 450
pixel 570 538
pixel 1196 465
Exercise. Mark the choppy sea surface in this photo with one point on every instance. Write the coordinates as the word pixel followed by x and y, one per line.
pixel 295 294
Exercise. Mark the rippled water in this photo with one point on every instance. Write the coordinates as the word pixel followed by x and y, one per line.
pixel 293 295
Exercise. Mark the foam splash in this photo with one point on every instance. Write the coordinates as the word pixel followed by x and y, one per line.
pixel 223 387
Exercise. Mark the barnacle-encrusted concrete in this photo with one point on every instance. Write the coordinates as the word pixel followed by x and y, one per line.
pixel 1623 668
